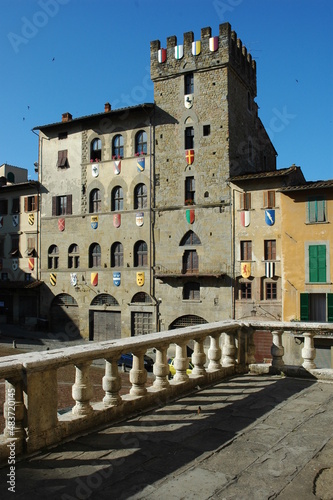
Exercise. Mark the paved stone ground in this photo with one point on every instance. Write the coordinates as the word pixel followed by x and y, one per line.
pixel 252 437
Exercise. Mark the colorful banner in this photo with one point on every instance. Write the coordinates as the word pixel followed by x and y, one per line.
pixel 61 224
pixel 196 48
pixel 116 220
pixel 213 43
pixel 245 218
pixel 269 269
pixel 162 55
pixel 189 155
pixel 141 164
pixel 31 263
pixel 246 269
pixel 117 167
pixel 190 216
pixel 94 279
pixel 179 51
pixel 53 279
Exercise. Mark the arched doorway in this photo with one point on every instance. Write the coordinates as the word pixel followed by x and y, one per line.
pixel 64 317
pixel 104 322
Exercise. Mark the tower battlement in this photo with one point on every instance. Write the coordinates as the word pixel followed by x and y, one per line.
pixel 209 52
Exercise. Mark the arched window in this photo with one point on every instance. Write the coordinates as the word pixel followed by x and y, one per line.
pixel 73 256
pixel 117 254
pixel 190 238
pixel 140 254
pixel 96 150
pixel 104 299
pixel 95 201
pixel 141 142
pixel 141 298
pixel 117 199
pixel 118 146
pixel 53 257
pixel 140 196
pixel 95 255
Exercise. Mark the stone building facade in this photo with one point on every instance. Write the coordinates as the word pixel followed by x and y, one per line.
pixel 19 247
pixel 206 130
pixel 96 249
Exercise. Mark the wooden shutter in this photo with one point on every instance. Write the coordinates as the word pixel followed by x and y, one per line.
pixel 321 211
pixel 317 263
pixel 69 205
pixel 304 306
pixel 330 307
pixel 54 205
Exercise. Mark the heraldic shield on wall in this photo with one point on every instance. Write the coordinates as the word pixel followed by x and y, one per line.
pixel 140 278
pixel 270 217
pixel 246 269
pixel 116 278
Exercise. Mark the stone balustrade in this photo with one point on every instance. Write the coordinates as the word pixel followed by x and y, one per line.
pixel 221 350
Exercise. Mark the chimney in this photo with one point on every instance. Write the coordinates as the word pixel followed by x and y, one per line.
pixel 66 117
pixel 107 107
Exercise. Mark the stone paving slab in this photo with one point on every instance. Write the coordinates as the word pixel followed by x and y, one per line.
pixel 254 437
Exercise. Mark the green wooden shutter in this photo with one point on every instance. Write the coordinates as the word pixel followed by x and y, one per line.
pixel 311 211
pixel 321 211
pixel 304 306
pixel 330 307
pixel 317 263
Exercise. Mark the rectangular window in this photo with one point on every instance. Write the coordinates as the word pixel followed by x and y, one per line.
pixel 270 249
pixel 206 130
pixel 15 251
pixel 245 291
pixel 245 201
pixel 62 205
pixel 271 291
pixel 16 205
pixel 317 263
pixel 316 211
pixel 62 159
pixel 269 199
pixel 189 138
pixel 189 191
pixel 246 250
pixel 62 135
pixel 31 244
pixel 31 203
pixel 3 207
pixel 189 84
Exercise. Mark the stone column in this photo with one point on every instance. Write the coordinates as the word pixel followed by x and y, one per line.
pixel 214 353
pixel 82 389
pixel 14 409
pixel 138 375
pixel 277 350
pixel 308 351
pixel 251 348
pixel 181 363
pixel 161 369
pixel 111 383
pixel 199 358
pixel 229 349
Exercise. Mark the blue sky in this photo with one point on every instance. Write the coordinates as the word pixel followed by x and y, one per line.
pixel 75 55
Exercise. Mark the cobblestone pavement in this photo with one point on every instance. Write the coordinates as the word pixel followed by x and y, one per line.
pixel 251 437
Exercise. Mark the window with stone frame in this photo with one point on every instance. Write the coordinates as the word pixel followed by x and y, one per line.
pixel 53 257
pixel 96 150
pixel 245 201
pixel 118 146
pixel 141 142
pixel 63 159
pixel 188 83
pixel 269 199
pixel 189 138
pixel 73 256
pixel 245 290
pixel 189 190
pixel 15 205
pixel 3 207
pixel 140 196
pixel 95 201
pixel 117 199
pixel 61 205
pixel 117 254
pixel 31 203
pixel 191 291
pixel 140 254
pixel 246 250
pixel 95 255
pixel 270 249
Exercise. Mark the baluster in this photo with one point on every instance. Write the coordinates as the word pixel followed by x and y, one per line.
pixel 181 363
pixel 229 349
pixel 14 409
pixel 111 383
pixel 161 369
pixel 138 375
pixel 277 350
pixel 214 353
pixel 82 389
pixel 199 358
pixel 308 351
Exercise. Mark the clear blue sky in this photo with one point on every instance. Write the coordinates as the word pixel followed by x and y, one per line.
pixel 75 55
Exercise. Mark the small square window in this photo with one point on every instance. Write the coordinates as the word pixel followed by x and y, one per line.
pixel 206 130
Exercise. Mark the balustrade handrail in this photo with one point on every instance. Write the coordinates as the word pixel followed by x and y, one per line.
pixel 32 377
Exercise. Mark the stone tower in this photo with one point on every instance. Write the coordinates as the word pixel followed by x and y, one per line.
pixel 206 130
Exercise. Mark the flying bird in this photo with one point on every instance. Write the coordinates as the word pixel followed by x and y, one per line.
pixel 53 59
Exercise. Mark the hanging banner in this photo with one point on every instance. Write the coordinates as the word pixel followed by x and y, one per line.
pixel 94 279
pixel 179 51
pixel 116 278
pixel 31 263
pixel 188 101
pixel 270 217
pixel 245 218
pixel 15 220
pixel 190 216
pixel 94 221
pixel 61 224
pixel 95 170
pixel 213 43
pixel 139 219
pixel 162 55
pixel 246 269
pixel 31 219
pixel 196 48
pixel 140 278
pixel 53 279
pixel 189 155
pixel 141 164
pixel 117 167
pixel 269 269
pixel 73 279
pixel 116 220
